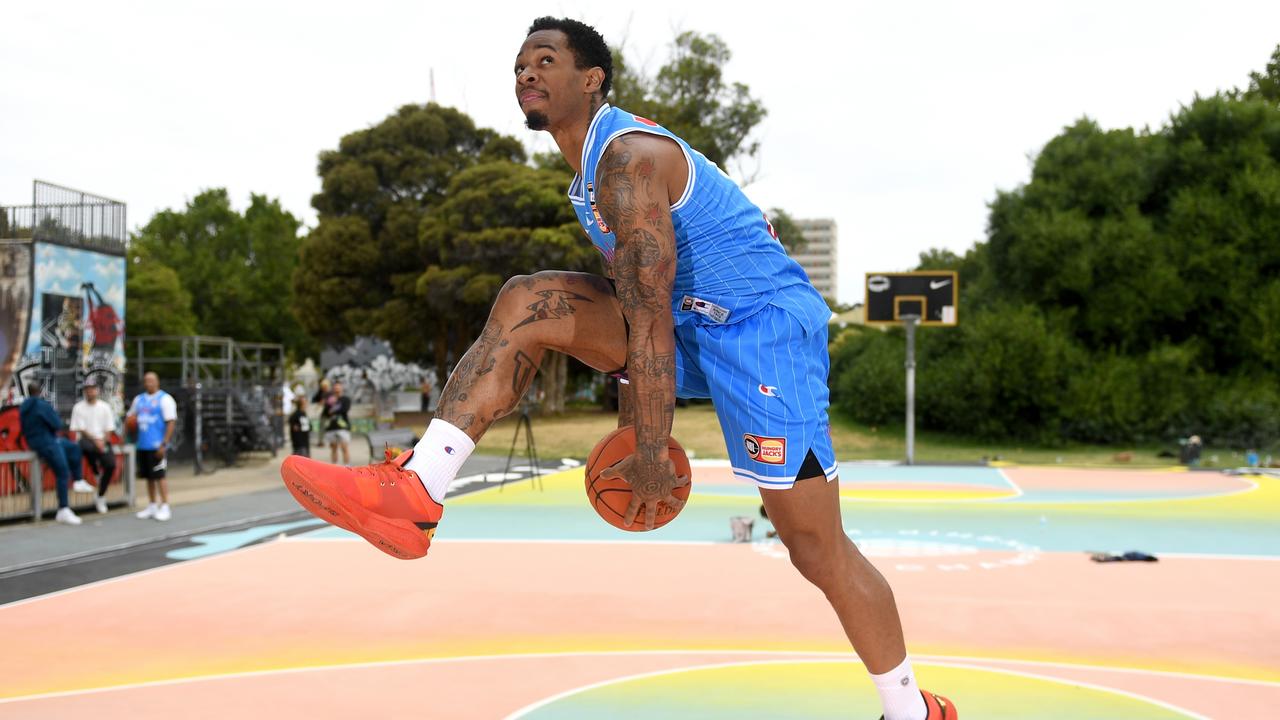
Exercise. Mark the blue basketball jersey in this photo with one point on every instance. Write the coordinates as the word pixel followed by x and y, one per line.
pixel 151 422
pixel 729 263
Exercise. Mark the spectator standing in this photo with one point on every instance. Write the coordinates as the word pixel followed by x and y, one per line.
pixel 426 394
pixel 319 402
pixel 40 424
pixel 300 427
pixel 93 421
pixel 156 413
pixel 337 426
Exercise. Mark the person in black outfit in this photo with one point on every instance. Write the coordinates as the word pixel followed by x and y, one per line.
pixel 300 428
pixel 319 401
pixel 337 427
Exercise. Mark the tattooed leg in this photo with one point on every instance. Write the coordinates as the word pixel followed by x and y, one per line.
pixel 574 313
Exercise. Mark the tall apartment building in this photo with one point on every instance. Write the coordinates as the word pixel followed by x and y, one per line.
pixel 818 258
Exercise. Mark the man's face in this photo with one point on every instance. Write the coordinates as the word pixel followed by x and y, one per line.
pixel 337 389
pixel 151 383
pixel 91 393
pixel 549 86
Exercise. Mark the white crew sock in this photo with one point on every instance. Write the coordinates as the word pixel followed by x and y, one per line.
pixel 438 457
pixel 899 693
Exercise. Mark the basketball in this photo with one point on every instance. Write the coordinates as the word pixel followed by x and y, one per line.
pixel 611 496
pixel 131 426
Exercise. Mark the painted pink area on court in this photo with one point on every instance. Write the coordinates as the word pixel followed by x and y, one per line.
pixel 711 475
pixel 495 687
pixel 305 603
pixel 1154 483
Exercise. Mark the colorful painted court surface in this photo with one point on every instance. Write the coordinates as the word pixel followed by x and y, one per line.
pixel 530 606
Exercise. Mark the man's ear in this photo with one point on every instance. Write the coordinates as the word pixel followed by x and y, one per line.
pixel 594 81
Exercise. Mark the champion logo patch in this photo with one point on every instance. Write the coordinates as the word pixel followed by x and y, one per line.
pixel 449 450
pixel 768 450
pixel 769 391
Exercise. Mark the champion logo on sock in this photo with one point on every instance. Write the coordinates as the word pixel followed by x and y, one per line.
pixel 449 450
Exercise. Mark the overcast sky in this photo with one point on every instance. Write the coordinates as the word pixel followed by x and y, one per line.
pixel 900 120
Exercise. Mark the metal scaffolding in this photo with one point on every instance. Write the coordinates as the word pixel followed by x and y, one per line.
pixel 231 391
pixel 65 216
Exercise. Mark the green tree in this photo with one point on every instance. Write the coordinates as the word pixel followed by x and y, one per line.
pixel 155 301
pixel 498 220
pixel 359 268
pixel 423 218
pixel 235 266
pixel 1000 373
pixel 1141 238
pixel 1128 291
pixel 939 259
pixel 1266 85
pixel 690 97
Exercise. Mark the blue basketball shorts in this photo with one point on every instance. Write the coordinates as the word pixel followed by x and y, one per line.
pixel 767 375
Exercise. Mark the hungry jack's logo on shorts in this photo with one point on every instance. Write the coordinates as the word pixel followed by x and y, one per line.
pixel 768 450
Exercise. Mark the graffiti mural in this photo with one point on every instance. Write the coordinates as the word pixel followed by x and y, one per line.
pixel 77 327
pixel 15 308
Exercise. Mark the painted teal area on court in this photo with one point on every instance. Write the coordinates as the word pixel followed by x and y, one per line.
pixel 859 473
pixel 214 543
pixel 560 513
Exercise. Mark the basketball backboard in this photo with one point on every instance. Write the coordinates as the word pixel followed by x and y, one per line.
pixel 930 295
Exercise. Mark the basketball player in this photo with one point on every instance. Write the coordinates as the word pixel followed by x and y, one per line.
pixel 700 301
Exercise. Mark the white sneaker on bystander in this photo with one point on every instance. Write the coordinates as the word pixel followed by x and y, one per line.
pixel 67 517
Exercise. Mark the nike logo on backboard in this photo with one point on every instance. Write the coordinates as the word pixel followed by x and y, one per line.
pixel 935 284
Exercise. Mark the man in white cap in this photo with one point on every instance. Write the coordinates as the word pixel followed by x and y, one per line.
pixel 94 420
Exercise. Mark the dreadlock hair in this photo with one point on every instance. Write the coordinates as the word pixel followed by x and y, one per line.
pixel 588 46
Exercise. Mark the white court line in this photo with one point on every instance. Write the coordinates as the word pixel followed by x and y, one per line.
pixel 1101 668
pixel 522 712
pixel 1211 556
pixel 820 655
pixel 1016 487
pixel 1253 485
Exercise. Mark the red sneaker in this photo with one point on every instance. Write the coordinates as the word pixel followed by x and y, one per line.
pixel 937 707
pixel 383 503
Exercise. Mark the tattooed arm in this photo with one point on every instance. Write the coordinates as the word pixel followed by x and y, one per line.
pixel 634 179
pixel 626 410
